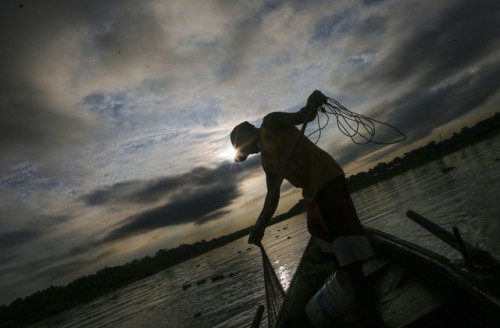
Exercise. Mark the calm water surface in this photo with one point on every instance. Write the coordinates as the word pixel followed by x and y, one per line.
pixel 466 197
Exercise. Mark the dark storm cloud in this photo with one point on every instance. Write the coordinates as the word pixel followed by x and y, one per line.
pixel 17 238
pixel 444 43
pixel 148 191
pixel 195 197
pixel 419 113
pixel 198 208
pixel 29 121
pixel 21 238
pixel 121 192
pixel 340 23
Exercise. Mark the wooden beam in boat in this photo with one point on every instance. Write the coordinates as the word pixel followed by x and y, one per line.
pixel 477 256
pixel 435 229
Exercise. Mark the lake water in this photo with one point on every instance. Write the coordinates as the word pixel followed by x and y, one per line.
pixel 466 197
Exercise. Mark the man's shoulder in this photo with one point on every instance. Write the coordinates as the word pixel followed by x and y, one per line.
pixel 269 121
pixel 270 129
pixel 278 121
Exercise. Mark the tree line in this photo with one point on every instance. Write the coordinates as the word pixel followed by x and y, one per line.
pixel 57 299
pixel 425 154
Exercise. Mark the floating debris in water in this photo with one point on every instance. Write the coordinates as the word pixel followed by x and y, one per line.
pixel 447 169
pixel 197 315
pixel 215 278
pixel 218 277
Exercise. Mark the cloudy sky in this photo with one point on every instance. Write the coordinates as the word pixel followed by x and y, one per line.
pixel 115 115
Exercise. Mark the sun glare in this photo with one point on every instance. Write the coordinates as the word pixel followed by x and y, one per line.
pixel 228 153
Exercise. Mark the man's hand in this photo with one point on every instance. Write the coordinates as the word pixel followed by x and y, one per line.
pixel 256 235
pixel 317 99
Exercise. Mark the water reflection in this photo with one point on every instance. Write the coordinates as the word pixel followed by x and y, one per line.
pixel 465 197
pixel 285 276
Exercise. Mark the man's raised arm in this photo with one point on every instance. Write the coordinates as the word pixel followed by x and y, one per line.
pixel 282 120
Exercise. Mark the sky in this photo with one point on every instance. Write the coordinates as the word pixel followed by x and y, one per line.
pixel 115 115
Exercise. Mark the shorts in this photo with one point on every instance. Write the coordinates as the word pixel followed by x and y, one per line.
pixel 332 219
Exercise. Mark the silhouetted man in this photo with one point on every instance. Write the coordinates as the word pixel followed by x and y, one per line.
pixel 331 215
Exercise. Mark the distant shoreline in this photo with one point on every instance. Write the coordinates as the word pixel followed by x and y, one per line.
pixel 57 299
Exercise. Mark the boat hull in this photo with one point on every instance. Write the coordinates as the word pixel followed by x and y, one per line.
pixel 412 287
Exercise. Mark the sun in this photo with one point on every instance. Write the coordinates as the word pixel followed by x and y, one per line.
pixel 227 153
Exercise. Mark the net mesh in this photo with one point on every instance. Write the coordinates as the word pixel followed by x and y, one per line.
pixel 275 295
pixel 359 128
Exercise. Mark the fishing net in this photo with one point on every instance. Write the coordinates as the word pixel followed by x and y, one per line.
pixel 359 128
pixel 275 295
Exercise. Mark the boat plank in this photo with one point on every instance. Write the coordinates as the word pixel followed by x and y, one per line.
pixel 411 301
pixel 389 281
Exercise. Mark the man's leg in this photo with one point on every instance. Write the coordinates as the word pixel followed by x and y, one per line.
pixel 364 296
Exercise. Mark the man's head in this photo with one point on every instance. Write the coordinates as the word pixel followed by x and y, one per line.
pixel 245 139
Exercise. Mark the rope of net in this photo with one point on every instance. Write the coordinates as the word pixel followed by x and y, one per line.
pixel 275 294
pixel 359 128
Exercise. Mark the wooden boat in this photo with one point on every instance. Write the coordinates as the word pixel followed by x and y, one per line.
pixel 413 287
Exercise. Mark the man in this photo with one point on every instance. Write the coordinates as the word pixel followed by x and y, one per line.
pixel 331 216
